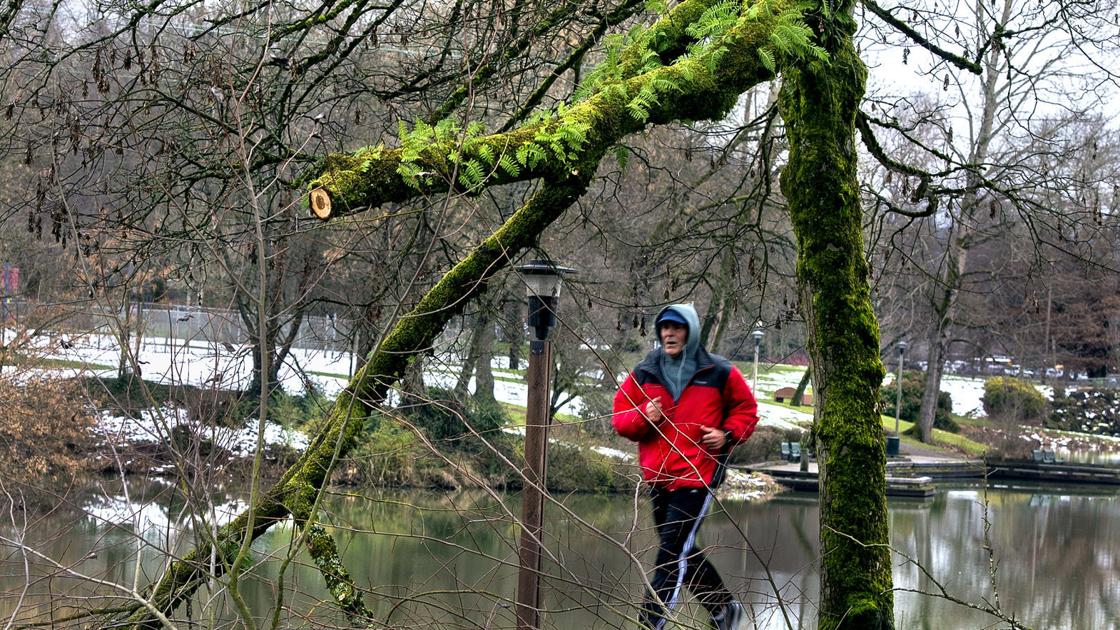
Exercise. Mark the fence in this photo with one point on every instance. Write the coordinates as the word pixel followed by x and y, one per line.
pixel 179 323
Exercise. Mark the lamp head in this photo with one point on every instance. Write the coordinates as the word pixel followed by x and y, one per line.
pixel 542 280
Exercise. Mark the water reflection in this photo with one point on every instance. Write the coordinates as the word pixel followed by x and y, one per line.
pixel 449 560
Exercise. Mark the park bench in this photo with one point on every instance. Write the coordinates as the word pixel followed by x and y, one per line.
pixel 1043 456
pixel 791 451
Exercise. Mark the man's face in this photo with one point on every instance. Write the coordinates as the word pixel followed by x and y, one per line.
pixel 673 337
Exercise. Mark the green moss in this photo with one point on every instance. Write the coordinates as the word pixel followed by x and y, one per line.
pixel 570 143
pixel 819 104
pixel 324 553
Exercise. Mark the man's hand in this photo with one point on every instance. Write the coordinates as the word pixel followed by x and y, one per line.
pixel 653 412
pixel 714 438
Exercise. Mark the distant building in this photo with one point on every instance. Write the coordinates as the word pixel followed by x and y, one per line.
pixel 785 394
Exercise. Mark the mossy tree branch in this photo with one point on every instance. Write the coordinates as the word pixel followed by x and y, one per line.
pixel 698 86
pixel 346 595
pixel 298 489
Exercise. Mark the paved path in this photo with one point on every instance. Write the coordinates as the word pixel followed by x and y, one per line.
pixel 912 450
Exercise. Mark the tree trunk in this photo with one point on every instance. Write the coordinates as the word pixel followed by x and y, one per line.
pixel 480 325
pixel 483 370
pixel 799 395
pixel 819 103
pixel 721 306
pixel 124 329
pixel 413 390
pixel 935 359
pixel 952 273
pixel 273 366
pixel 139 339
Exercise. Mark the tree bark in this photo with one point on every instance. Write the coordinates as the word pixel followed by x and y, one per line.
pixel 819 103
pixel 481 336
pixel 799 394
pixel 483 370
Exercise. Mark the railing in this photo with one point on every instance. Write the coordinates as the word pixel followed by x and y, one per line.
pixel 175 322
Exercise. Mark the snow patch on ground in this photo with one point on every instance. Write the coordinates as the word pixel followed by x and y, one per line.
pixel 155 425
pixel 230 367
pixel 744 486
pixel 782 417
pixel 614 453
pixel 967 394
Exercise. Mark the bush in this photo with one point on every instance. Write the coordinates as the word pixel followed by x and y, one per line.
pixel 443 416
pixel 45 430
pixel 1007 397
pixel 913 386
pixel 389 453
pixel 575 469
pixel 386 456
pixel 765 445
pixel 298 411
pixel 1094 411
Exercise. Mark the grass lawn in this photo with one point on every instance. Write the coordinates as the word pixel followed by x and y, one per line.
pixel 517 415
pixel 802 408
pixel 941 438
pixel 766 369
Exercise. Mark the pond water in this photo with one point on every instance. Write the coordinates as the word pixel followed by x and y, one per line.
pixel 1096 457
pixel 448 560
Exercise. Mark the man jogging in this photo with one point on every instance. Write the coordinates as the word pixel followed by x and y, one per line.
pixel 686 409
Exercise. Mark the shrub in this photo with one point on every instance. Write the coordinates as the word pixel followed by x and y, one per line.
pixel 298 411
pixel 390 453
pixel 575 469
pixel 443 416
pixel 765 445
pixel 913 386
pixel 1009 397
pixel 1094 411
pixel 386 456
pixel 45 430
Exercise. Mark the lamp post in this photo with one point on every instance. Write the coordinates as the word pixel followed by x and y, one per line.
pixel 894 441
pixel 757 334
pixel 902 345
pixel 542 282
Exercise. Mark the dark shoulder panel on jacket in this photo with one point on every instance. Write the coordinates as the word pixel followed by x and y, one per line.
pixel 722 370
pixel 647 369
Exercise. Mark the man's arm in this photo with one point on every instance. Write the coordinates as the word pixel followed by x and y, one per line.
pixel 742 409
pixel 631 406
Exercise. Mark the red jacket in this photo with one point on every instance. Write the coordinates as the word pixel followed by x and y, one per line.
pixel 670 453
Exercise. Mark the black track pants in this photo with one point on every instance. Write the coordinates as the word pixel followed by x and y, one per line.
pixel 677 515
